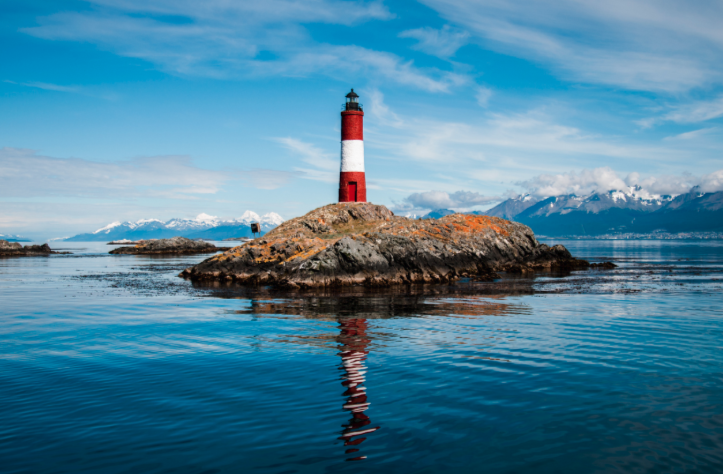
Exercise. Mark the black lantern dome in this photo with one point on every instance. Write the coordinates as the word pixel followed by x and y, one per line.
pixel 352 101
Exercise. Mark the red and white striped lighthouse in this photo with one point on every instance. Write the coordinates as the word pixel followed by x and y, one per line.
pixel 352 182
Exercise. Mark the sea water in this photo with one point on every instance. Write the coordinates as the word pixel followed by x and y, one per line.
pixel 113 364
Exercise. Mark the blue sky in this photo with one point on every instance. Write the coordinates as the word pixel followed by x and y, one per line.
pixel 130 109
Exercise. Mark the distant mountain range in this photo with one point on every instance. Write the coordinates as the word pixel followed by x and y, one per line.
pixel 13 238
pixel 202 227
pixel 618 211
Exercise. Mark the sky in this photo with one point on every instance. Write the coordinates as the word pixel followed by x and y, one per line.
pixel 130 109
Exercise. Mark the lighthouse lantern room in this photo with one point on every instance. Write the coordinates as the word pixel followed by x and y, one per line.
pixel 352 101
pixel 352 181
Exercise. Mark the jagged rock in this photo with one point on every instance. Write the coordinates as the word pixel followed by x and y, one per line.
pixel 14 249
pixel 175 245
pixel 604 265
pixel 362 243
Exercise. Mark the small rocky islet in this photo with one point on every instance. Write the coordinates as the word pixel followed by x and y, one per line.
pixel 349 244
pixel 172 246
pixel 128 241
pixel 15 249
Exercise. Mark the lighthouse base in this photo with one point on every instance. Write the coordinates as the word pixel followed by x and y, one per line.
pixel 352 186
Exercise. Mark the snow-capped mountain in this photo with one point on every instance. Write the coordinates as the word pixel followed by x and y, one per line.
pixel 13 238
pixel 511 207
pixel 630 199
pixel 616 211
pixel 506 210
pixel 203 226
pixel 437 213
pixel 624 211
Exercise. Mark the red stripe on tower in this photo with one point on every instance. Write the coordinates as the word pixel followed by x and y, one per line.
pixel 352 181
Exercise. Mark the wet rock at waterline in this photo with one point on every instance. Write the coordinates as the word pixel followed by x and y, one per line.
pixel 366 244
pixel 14 249
pixel 175 245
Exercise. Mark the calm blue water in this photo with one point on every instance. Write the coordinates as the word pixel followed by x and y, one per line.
pixel 112 364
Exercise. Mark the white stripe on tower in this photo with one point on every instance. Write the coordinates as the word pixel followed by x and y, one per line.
pixel 352 156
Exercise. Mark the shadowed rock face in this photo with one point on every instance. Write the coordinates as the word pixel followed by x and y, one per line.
pixel 366 244
pixel 176 245
pixel 14 249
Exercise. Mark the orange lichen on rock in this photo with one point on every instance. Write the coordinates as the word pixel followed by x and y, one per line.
pixel 471 223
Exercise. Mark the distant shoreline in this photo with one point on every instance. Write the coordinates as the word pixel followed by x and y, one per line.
pixel 651 236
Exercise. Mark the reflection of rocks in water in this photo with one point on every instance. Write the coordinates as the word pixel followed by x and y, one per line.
pixel 353 342
pixel 365 308
pixel 444 300
pixel 511 285
pixel 382 307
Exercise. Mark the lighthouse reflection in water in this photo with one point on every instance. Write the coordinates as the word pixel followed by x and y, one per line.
pixel 353 343
pixel 352 338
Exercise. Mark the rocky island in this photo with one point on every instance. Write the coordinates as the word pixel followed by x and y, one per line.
pixel 175 245
pixel 14 249
pixel 366 244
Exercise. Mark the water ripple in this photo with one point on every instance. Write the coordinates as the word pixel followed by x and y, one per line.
pixel 114 365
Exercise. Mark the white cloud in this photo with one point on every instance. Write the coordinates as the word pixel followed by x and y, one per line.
pixel 483 96
pixel 267 179
pixel 267 12
pixel 310 153
pixel 712 182
pixel 692 112
pixel 379 111
pixel 53 219
pixel 224 39
pixel 667 184
pixel 573 183
pixel 697 111
pixel 459 200
pixel 692 134
pixel 46 86
pixel 635 44
pixel 325 166
pixel 646 122
pixel 87 91
pixel 442 43
pixel 26 174
pixel 605 179
pixel 520 141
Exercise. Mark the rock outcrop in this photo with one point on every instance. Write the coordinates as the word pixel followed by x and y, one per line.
pixel 366 244
pixel 14 249
pixel 175 245
pixel 128 241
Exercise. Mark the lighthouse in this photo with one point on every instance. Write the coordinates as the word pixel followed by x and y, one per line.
pixel 352 182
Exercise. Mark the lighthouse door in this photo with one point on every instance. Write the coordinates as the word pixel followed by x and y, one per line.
pixel 352 191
